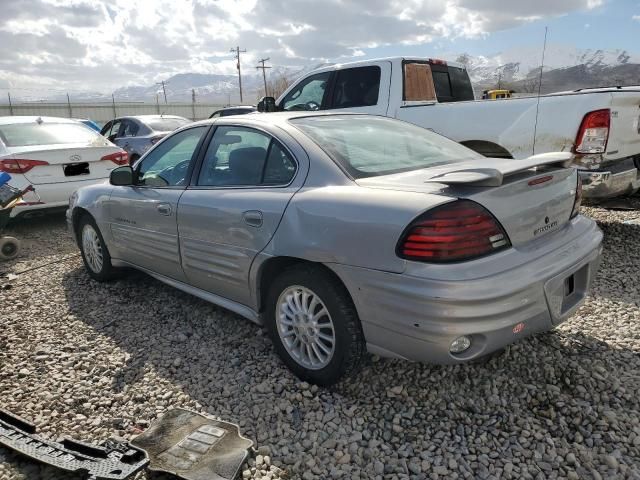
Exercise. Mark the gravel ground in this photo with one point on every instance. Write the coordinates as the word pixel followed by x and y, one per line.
pixel 92 361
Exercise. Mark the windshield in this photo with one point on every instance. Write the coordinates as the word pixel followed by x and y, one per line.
pixel 368 146
pixel 166 124
pixel 28 134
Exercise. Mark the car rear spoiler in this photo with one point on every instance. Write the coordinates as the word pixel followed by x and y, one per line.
pixel 493 177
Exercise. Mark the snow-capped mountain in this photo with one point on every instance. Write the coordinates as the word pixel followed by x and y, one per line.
pixel 519 63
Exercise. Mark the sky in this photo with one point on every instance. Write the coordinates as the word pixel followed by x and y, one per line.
pixel 95 45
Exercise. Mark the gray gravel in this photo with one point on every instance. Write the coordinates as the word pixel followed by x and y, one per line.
pixel 92 361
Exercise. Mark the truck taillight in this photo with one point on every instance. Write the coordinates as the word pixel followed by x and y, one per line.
pixel 578 200
pixel 119 158
pixel 19 165
pixel 594 132
pixel 456 231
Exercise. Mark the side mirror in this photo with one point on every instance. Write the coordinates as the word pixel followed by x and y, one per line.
pixel 121 176
pixel 267 104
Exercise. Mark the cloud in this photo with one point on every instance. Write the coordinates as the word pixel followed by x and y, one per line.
pixel 101 45
pixel 636 17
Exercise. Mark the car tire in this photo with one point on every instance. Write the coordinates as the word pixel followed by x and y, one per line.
pixel 95 254
pixel 9 248
pixel 314 293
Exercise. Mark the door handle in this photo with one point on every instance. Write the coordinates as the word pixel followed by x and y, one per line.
pixel 164 209
pixel 253 218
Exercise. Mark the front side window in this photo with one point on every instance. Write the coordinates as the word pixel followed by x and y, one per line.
pixel 371 146
pixel 168 164
pixel 239 156
pixel 356 87
pixel 308 95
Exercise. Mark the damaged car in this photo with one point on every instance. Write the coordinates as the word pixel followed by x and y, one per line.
pixel 347 233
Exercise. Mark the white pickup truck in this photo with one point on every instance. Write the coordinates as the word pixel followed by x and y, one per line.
pixel 600 126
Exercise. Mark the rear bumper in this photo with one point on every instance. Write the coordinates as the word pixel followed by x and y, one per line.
pixel 48 196
pixel 417 318
pixel 618 179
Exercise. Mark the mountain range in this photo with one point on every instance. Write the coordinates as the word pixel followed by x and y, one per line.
pixel 565 68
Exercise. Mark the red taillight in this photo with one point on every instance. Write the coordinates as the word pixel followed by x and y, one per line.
pixel 594 132
pixel 155 140
pixel 456 231
pixel 19 165
pixel 578 201
pixel 437 61
pixel 119 158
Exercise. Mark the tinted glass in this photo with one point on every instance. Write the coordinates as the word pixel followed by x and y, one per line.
pixel 356 87
pixel 130 128
pixel 27 134
pixel 166 124
pixel 460 84
pixel 367 146
pixel 280 168
pixel 443 87
pixel 236 156
pixel 308 94
pixel 168 164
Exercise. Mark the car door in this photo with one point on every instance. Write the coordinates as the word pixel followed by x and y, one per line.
pixel 234 206
pixel 143 216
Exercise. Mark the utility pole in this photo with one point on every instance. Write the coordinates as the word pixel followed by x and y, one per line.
pixel 113 102
pixel 264 75
pixel 10 104
pixel 164 90
pixel 69 104
pixel 237 51
pixel 193 103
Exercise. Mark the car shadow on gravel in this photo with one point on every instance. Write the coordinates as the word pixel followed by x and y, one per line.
pixel 200 348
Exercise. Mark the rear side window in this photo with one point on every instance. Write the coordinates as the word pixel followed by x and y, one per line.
pixel 27 134
pixel 356 87
pixel 240 156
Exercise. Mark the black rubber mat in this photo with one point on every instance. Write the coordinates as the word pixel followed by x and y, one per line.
pixel 110 461
pixel 194 446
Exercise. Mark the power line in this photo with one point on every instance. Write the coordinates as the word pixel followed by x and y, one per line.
pixel 264 75
pixel 237 51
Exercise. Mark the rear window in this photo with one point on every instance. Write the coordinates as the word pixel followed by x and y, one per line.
pixel 166 124
pixel 367 146
pixel 28 134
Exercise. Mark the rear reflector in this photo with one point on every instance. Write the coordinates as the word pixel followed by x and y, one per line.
pixel 19 165
pixel 119 158
pixel 594 132
pixel 456 231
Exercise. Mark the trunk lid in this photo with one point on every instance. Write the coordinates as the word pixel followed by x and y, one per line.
pixel 530 197
pixel 66 162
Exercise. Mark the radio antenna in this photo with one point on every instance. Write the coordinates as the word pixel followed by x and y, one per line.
pixel 535 126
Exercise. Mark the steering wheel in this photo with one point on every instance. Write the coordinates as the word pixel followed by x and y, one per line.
pixel 176 174
pixel 309 106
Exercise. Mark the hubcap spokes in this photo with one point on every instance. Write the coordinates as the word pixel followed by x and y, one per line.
pixel 92 248
pixel 305 327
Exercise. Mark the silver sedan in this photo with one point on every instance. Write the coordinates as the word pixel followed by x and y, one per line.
pixel 346 233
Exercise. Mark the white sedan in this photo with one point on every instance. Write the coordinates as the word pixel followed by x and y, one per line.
pixel 55 155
